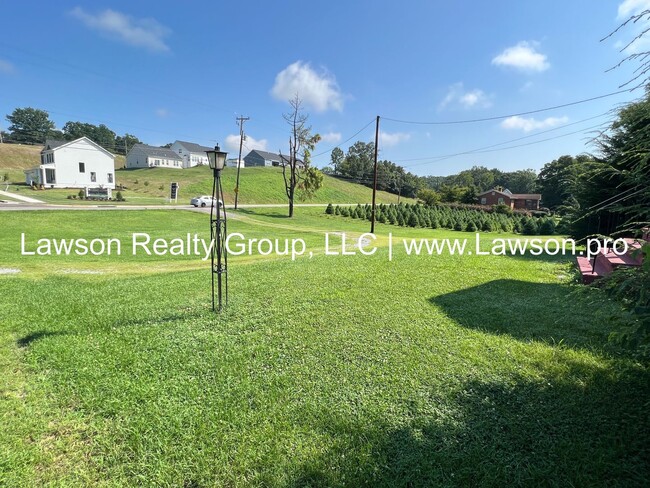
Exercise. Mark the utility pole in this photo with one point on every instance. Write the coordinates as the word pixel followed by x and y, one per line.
pixel 240 121
pixel 374 183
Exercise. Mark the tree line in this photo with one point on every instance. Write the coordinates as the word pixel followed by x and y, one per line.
pixel 357 165
pixel 34 126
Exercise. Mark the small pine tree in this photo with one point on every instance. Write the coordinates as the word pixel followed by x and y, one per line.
pixel 459 225
pixel 547 227
pixel 330 209
pixel 530 228
pixel 471 226
pixel 487 226
pixel 400 220
pixel 413 220
pixel 434 223
pixel 337 210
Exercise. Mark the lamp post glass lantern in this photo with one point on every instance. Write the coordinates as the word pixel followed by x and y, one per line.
pixel 218 255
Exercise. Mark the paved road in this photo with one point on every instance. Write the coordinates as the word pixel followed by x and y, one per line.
pixel 13 206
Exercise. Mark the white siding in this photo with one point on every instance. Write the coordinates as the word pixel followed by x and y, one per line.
pixel 190 159
pixel 98 165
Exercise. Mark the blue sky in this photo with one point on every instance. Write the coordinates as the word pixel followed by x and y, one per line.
pixel 165 71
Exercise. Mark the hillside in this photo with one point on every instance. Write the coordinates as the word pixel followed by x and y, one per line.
pixel 258 185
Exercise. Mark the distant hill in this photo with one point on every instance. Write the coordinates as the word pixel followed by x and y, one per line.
pixel 258 185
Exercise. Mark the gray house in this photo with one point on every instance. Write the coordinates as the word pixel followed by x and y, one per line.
pixel 263 158
pixel 143 156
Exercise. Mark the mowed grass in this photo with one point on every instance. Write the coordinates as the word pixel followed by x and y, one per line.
pixel 330 371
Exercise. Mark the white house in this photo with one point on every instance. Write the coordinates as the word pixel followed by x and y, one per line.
pixel 81 163
pixel 143 156
pixel 192 154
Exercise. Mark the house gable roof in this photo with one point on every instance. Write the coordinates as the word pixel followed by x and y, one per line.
pixel 52 145
pixel 513 196
pixel 271 156
pixel 194 148
pixel 265 154
pixel 158 152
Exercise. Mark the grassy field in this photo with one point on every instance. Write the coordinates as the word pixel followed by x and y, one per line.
pixel 323 371
pixel 151 186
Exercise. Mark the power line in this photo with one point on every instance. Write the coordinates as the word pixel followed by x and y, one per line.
pixel 529 112
pixel 471 151
pixel 347 140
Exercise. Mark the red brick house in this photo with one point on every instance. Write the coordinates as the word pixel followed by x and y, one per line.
pixel 526 201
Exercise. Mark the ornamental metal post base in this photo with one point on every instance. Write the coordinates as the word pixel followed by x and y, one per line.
pixel 218 255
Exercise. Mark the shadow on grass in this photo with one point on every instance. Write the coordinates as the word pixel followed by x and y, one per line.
pixel 35 336
pixel 530 311
pixel 273 215
pixel 584 427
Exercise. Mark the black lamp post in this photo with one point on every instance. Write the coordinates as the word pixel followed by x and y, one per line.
pixel 219 257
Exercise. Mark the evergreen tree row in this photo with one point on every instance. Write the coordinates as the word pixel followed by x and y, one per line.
pixel 445 217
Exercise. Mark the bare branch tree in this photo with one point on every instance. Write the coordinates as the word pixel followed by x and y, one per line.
pixel 301 145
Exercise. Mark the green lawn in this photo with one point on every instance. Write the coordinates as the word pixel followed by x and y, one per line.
pixel 330 371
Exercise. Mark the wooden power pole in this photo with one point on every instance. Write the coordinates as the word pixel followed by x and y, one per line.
pixel 374 182
pixel 240 121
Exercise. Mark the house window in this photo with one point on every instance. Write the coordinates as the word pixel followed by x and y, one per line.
pixel 110 177
pixel 82 167
pixel 483 201
pixel 500 201
pixel 50 176
pixel 93 176
pixel 157 162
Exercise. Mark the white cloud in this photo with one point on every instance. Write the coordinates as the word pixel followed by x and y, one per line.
pixel 392 139
pixel 456 94
pixel 632 7
pixel 250 143
pixel 524 56
pixel 627 9
pixel 529 124
pixel 318 90
pixel 6 67
pixel 147 33
pixel 331 137
pixel 162 112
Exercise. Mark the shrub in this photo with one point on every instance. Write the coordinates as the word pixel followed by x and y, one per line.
pixel 530 228
pixel 146 183
pixel 69 197
pixel 329 210
pixel 119 197
pixel 161 187
pixel 502 208
pixel 547 227
pixel 487 226
pixel 81 194
pixel 136 182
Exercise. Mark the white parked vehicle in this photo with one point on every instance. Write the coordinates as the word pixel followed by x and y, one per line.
pixel 203 201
